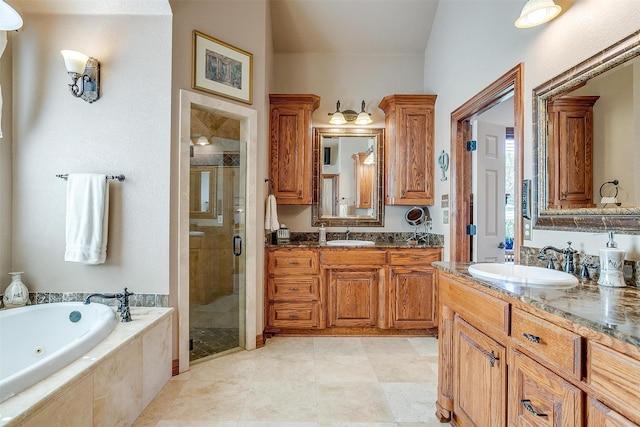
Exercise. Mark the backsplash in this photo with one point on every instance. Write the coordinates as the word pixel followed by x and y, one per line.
pixel 429 239
pixel 631 269
pixel 135 300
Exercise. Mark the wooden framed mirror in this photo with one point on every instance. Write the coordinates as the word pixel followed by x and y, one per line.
pixel 348 177
pixel 608 77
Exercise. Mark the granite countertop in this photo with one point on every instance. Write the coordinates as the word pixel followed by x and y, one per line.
pixel 379 245
pixel 382 240
pixel 612 311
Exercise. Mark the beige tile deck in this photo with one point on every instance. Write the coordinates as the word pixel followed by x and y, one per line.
pixel 306 382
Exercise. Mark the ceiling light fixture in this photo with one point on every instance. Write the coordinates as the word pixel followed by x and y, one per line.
pixel 9 19
pixel 536 12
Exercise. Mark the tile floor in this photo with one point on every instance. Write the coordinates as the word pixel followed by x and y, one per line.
pixel 306 381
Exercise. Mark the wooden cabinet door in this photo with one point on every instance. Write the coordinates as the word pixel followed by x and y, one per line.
pixel 479 378
pixel 600 415
pixel 409 158
pixel 538 397
pixel 412 298
pixel 570 152
pixel 353 297
pixel 364 179
pixel 291 147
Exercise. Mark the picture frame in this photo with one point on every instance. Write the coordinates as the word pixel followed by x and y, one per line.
pixel 221 69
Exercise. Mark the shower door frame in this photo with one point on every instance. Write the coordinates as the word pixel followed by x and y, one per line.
pixel 248 133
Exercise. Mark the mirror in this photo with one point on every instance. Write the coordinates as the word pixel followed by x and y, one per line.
pixel 201 192
pixel 608 75
pixel 348 177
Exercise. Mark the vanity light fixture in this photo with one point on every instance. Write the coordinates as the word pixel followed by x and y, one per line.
pixel 10 19
pixel 348 116
pixel 203 140
pixel 536 12
pixel 85 75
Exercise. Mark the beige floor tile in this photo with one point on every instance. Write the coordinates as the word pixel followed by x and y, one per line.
pixel 425 346
pixel 281 401
pixel 288 345
pixel 387 345
pixel 352 402
pixel 411 402
pixel 331 369
pixel 407 368
pixel 285 367
pixel 338 346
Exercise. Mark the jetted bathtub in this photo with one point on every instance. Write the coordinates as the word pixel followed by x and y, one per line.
pixel 38 340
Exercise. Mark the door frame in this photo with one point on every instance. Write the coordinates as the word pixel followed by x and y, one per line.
pixel 460 198
pixel 249 133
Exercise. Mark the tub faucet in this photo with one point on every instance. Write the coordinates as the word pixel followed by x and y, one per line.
pixel 346 234
pixel 123 303
pixel 568 252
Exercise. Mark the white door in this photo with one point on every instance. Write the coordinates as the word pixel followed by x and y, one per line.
pixel 488 192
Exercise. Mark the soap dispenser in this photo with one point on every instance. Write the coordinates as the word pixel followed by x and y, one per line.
pixel 16 294
pixel 611 263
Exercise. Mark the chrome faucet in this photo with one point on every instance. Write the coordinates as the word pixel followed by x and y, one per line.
pixel 346 234
pixel 123 303
pixel 569 265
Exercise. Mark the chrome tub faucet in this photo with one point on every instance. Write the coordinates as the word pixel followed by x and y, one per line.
pixel 123 303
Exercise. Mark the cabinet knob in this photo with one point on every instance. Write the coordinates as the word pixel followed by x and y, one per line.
pixel 532 338
pixel 527 405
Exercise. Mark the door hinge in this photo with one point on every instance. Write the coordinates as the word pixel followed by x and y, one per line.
pixel 471 145
pixel 471 230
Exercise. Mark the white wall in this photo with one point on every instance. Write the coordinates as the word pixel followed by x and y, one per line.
pixel 350 79
pixel 126 131
pixel 474 42
pixel 5 164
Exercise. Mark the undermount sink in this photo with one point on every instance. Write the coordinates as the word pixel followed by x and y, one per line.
pixel 350 243
pixel 526 275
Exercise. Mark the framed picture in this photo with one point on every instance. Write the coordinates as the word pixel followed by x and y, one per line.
pixel 221 69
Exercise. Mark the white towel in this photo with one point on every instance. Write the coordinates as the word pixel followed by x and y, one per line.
pixel 271 215
pixel 87 218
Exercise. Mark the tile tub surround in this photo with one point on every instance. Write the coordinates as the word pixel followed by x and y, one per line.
pixel 611 311
pixel 109 385
pixel 135 300
pixel 529 256
pixel 382 239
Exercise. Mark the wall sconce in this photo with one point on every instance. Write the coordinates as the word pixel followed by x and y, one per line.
pixel 536 12
pixel 343 117
pixel 85 74
pixel 203 140
pixel 9 19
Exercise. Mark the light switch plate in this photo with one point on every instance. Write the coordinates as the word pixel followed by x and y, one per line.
pixel 527 230
pixel 445 216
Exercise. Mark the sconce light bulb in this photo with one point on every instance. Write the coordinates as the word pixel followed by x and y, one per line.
pixel 75 62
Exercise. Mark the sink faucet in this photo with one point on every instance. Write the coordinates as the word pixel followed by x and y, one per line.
pixel 123 303
pixel 346 234
pixel 569 265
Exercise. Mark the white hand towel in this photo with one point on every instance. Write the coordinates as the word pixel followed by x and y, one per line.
pixel 87 218
pixel 271 215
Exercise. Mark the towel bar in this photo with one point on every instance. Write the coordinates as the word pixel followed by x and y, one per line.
pixel 118 177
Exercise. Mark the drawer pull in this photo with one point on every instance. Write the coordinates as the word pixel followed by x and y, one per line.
pixel 527 405
pixel 293 316
pixel 293 262
pixel 293 289
pixel 532 338
pixel 493 358
pixel 415 258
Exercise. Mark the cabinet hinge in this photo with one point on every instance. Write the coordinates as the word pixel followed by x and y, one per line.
pixel 471 230
pixel 471 145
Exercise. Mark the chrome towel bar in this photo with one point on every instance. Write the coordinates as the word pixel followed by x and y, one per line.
pixel 118 177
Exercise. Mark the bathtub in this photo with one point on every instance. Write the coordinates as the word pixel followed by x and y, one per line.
pixel 41 339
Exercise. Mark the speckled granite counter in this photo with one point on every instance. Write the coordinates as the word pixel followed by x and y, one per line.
pixel 383 240
pixel 612 311
pixel 380 245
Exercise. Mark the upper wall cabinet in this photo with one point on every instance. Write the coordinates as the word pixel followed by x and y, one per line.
pixel 409 162
pixel 570 149
pixel 291 147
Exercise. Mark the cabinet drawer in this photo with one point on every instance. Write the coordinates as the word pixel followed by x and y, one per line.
pixel 547 341
pixel 538 397
pixel 616 376
pixel 293 315
pixel 353 257
pixel 414 257
pixel 304 288
pixel 284 261
pixel 599 415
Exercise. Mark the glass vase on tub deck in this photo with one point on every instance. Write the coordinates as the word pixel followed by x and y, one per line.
pixel 16 294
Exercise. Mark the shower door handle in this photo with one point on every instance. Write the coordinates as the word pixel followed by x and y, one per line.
pixel 237 245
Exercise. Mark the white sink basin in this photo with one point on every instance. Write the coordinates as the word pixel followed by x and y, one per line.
pixel 524 274
pixel 350 243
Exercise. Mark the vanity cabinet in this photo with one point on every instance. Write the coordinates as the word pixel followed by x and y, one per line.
pixel 409 152
pixel 570 152
pixel 345 291
pixel 364 180
pixel 291 140
pixel 504 362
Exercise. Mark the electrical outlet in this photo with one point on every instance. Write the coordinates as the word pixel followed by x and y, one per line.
pixel 220 219
pixel 445 216
pixel 527 229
